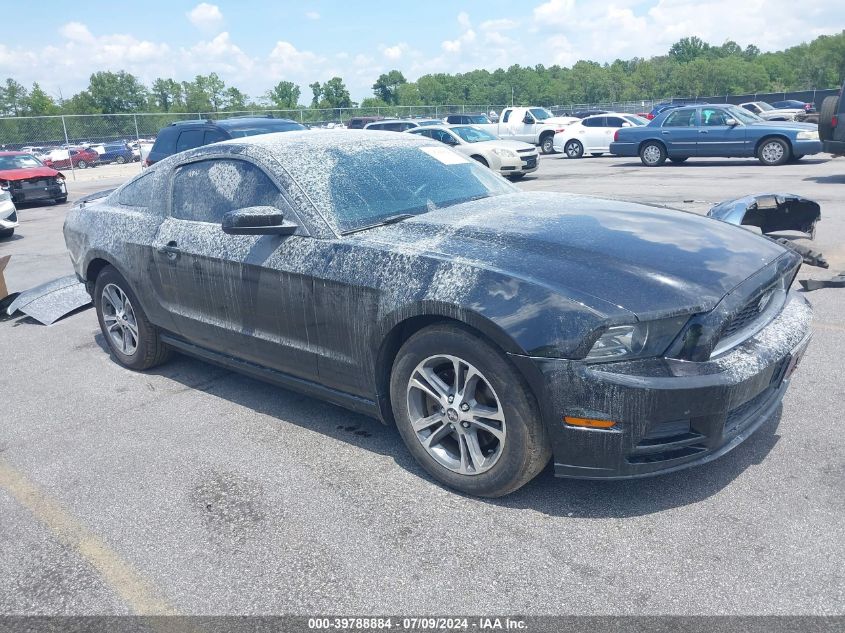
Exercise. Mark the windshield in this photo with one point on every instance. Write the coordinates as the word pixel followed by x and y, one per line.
pixel 264 128
pixel 478 118
pixel 763 105
pixel 19 162
pixel 742 115
pixel 541 114
pixel 473 134
pixel 363 184
pixel 429 122
pixel 636 120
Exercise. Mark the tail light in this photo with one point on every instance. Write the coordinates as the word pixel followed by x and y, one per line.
pixel 649 116
pixel 616 136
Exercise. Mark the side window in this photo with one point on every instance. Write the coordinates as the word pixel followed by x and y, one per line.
pixel 137 193
pixel 506 116
pixel 681 118
pixel 443 136
pixel 751 108
pixel 213 136
pixel 614 121
pixel 206 190
pixel 593 122
pixel 711 116
pixel 189 139
pixel 423 132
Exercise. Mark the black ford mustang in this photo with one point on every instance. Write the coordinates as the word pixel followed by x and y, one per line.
pixel 495 328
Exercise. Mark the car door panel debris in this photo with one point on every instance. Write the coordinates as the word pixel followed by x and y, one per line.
pixel 771 212
pixel 51 301
pixel 814 284
pixel 811 257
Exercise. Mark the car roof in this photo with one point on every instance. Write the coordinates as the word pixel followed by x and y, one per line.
pixel 14 153
pixel 235 122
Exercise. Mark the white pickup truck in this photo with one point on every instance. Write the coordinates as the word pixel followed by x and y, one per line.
pixel 530 125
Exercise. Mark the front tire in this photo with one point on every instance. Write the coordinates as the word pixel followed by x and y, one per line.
pixel 573 149
pixel 120 160
pixel 6 233
pixel 515 177
pixel 465 414
pixel 81 164
pixel 134 341
pixel 597 154
pixel 653 154
pixel 774 151
pixel 60 200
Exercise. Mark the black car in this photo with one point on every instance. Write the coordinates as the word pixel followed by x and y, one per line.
pixel 183 135
pixel 388 274
pixel 790 104
pixel 467 119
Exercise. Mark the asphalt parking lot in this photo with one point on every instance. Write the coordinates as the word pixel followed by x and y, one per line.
pixel 193 490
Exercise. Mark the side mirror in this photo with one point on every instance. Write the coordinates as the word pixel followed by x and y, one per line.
pixel 731 122
pixel 528 120
pixel 257 221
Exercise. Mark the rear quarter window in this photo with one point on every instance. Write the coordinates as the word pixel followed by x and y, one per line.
pixel 137 193
pixel 165 142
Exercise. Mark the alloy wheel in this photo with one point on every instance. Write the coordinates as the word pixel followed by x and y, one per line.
pixel 651 154
pixel 456 414
pixel 772 152
pixel 119 319
pixel 573 149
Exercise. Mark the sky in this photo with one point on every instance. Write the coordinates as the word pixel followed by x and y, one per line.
pixel 253 45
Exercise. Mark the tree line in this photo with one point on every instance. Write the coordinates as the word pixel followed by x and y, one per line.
pixel 691 67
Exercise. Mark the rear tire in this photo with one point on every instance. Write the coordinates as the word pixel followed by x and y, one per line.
pixel 773 151
pixel 120 160
pixel 60 200
pixel 597 154
pixel 134 341
pixel 653 154
pixel 829 107
pixel 81 164
pixel 573 149
pixel 679 159
pixel 489 440
pixel 547 144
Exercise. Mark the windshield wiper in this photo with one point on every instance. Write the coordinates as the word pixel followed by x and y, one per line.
pixel 393 219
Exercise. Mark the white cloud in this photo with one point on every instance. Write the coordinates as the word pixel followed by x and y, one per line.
pixel 286 59
pixel 76 32
pixel 395 53
pixel 206 17
pixel 555 12
pixel 312 15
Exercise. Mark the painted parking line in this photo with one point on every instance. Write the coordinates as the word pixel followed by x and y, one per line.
pixel 135 591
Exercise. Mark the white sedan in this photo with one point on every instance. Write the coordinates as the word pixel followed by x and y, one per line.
pixel 593 134
pixel 512 159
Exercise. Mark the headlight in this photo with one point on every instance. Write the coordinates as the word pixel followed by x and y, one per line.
pixel 808 135
pixel 641 340
pixel 504 153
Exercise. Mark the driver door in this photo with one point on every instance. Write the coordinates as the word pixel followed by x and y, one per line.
pixel 523 127
pixel 242 295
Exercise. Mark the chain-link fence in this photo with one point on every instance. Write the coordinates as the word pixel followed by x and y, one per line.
pixel 124 137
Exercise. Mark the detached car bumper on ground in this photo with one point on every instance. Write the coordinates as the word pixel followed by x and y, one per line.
pixel 495 328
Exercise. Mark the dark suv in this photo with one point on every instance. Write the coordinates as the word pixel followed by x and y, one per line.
pixel 183 135
pixel 832 124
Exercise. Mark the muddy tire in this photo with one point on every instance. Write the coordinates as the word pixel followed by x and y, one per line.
pixel 134 341
pixel 829 107
pixel 465 413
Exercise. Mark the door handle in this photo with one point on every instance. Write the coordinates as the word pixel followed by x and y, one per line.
pixel 702 131
pixel 665 132
pixel 171 249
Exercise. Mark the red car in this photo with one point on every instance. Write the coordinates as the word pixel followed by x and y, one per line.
pixel 27 179
pixel 81 158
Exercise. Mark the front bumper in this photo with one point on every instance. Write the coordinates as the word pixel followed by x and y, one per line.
pixel 803 148
pixel 38 191
pixel 522 164
pixel 670 414
pixel 8 215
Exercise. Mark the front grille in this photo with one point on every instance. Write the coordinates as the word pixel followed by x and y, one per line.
pixel 745 317
pixel 529 162
pixel 530 150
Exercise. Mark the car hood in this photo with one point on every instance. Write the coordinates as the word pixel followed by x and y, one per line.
pixel 28 172
pixel 514 145
pixel 785 125
pixel 649 261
